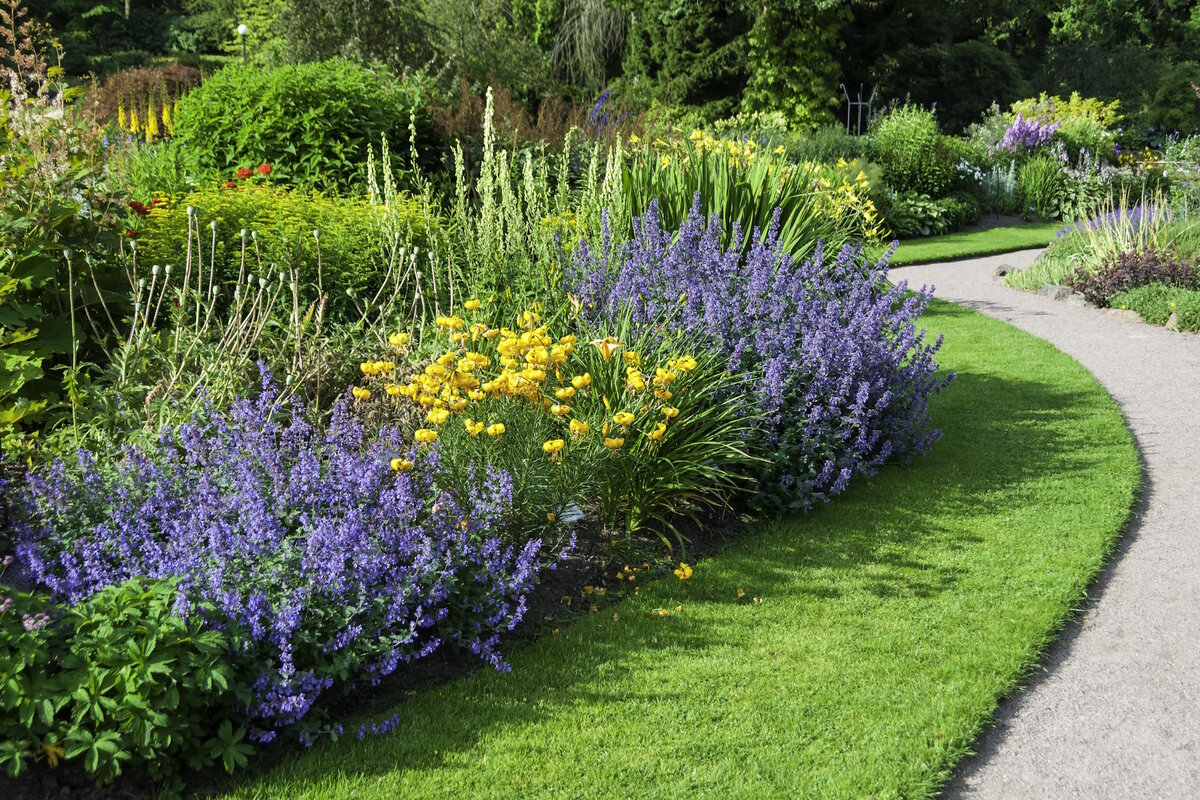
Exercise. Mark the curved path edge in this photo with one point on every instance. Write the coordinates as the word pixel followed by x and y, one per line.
pixel 1113 710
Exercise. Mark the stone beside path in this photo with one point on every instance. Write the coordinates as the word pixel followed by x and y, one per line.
pixel 1114 710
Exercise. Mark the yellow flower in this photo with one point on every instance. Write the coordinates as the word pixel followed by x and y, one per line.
pixel 454 323
pixel 360 393
pixel 476 395
pixel 579 427
pixel 446 359
pixel 663 394
pixel 401 464
pixel 495 429
pixel 741 592
pixel 658 432
pixel 565 393
pixel 393 389
pixel 635 380
pixel 666 161
pixel 663 377
pixel 559 410
pixel 437 416
pixel 398 339
pixel 670 412
pixel 473 427
pixel 623 418
pixel 632 358
pixel 614 444
pixel 607 346
pixel 633 138
pixel 425 436
pixel 582 381
pixel 683 363
pixel 471 305
pixel 553 446
pixel 684 572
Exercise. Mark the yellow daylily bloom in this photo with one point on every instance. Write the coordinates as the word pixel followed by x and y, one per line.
pixel 614 444
pixel 623 418
pixel 684 571
pixel 398 339
pixel 559 410
pixel 473 427
pixel 565 393
pixel 471 305
pixel 495 429
pixel 632 358
pixel 658 432
pixel 607 346
pixel 553 446
pixel 437 416
pixel 579 427
pixel 361 393
pixel 582 381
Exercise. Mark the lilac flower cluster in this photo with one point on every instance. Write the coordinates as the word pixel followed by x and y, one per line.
pixel 324 563
pixel 1026 134
pixel 837 371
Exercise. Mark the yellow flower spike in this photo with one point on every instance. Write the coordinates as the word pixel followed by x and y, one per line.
pixel 684 571
pixel 659 431
pixel 670 412
pixel 579 427
pixel 614 444
pixel 401 464
pixel 559 410
pixel 632 358
pixel 607 346
pixel 361 393
pixel 623 418
pixel 471 305
pixel 565 393
pixel 553 446
pixel 398 339
pixel 425 436
pixel 495 429
pixel 582 381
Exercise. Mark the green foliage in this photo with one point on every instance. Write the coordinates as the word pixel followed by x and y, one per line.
pixel 1156 303
pixel 803 89
pixel 825 145
pixel 354 254
pixel 744 187
pixel 116 682
pixel 913 153
pixel 689 52
pixel 146 170
pixel 313 123
pixel 1042 184
pixel 1175 105
pixel 960 78
pixel 910 214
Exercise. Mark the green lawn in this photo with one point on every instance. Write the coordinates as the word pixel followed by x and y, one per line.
pixel 891 622
pixel 954 246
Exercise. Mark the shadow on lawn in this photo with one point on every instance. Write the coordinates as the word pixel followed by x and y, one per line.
pixel 1003 438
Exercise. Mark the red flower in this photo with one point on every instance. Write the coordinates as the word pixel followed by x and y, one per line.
pixel 243 173
pixel 264 169
pixel 131 233
pixel 228 185
pixel 140 209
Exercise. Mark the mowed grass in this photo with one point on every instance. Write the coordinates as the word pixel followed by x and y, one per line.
pixel 954 246
pixel 891 622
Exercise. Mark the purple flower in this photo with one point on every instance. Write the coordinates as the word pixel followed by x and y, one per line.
pixel 837 373
pixel 323 563
pixel 1026 134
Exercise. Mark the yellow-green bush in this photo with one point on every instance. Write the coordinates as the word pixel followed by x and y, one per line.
pixel 279 222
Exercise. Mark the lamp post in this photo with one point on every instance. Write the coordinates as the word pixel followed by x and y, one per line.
pixel 242 31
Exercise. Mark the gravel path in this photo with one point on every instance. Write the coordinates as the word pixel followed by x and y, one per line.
pixel 1115 711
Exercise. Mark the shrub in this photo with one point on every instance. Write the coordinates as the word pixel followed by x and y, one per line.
pixel 1175 105
pixel 825 145
pixel 636 423
pixel 118 682
pixel 312 122
pixel 354 253
pixel 839 374
pixel 1156 303
pixel 325 565
pixel 1131 269
pixel 913 154
pixel 1082 123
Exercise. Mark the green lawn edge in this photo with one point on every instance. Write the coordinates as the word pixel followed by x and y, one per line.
pixel 976 244
pixel 891 624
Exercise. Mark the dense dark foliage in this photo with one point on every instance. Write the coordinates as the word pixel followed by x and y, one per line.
pixel 1130 270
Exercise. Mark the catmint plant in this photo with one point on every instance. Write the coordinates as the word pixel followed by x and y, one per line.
pixel 838 373
pixel 326 563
